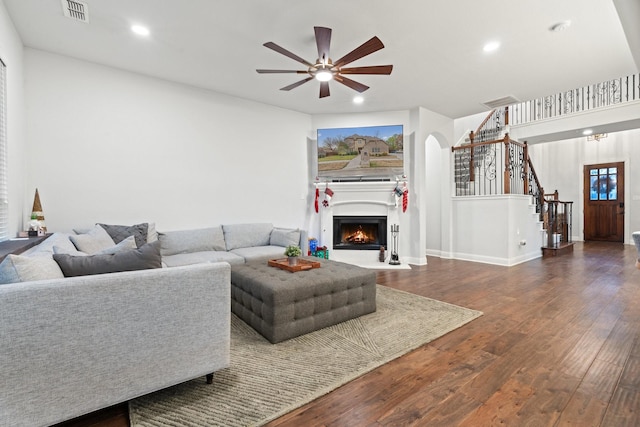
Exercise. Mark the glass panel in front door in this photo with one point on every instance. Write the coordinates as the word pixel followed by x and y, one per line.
pixel 604 184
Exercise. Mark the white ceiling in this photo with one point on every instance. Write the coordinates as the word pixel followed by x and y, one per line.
pixel 435 46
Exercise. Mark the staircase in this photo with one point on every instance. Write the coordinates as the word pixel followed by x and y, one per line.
pixel 489 162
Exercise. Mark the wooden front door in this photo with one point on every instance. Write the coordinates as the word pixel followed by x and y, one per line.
pixel 604 202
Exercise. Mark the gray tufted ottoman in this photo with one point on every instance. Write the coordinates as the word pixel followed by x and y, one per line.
pixel 282 305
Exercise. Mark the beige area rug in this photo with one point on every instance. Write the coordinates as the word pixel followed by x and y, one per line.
pixel 268 380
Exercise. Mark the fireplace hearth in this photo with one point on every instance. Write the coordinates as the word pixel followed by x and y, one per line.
pixel 359 232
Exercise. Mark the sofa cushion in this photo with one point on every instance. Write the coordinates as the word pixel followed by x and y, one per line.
pixel 95 240
pixel 259 252
pixel 17 268
pixel 196 240
pixel 285 237
pixel 247 235
pixel 120 232
pixel 145 257
pixel 200 257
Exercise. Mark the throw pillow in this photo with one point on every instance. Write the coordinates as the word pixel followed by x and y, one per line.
pixel 152 234
pixel 74 251
pixel 145 257
pixel 126 244
pixel 92 242
pixel 285 237
pixel 120 232
pixel 247 235
pixel 16 268
pixel 46 248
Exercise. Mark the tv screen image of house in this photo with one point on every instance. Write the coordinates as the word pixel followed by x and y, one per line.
pixel 360 152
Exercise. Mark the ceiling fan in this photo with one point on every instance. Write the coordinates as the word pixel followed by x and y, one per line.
pixel 325 69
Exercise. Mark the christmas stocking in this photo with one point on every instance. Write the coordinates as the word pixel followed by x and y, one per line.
pixel 405 199
pixel 328 193
pixel 317 196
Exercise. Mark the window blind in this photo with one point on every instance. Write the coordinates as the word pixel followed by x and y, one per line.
pixel 4 193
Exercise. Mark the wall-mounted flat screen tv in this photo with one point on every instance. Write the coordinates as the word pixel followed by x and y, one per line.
pixel 360 153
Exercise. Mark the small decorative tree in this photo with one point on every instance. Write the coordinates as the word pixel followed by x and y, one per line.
pixel 293 252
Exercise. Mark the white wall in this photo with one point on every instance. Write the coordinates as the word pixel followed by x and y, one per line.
pixel 463 125
pixel 11 54
pixel 491 229
pixel 433 189
pixel 559 165
pixel 112 146
pixel 430 169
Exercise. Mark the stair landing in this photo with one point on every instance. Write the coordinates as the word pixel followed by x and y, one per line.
pixel 562 248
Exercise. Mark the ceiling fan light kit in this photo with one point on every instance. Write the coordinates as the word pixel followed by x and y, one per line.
pixel 324 75
pixel 325 70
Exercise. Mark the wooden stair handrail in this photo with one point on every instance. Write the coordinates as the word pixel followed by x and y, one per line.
pixel 537 181
pixel 554 195
pixel 480 144
pixel 486 119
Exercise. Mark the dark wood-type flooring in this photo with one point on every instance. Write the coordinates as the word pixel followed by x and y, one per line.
pixel 558 345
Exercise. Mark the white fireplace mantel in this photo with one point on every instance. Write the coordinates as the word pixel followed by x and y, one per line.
pixel 364 202
pixel 358 199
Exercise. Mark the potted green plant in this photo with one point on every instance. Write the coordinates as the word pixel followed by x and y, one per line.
pixel 293 252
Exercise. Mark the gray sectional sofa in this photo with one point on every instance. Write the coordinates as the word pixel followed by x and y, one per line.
pixel 72 345
pixel 233 243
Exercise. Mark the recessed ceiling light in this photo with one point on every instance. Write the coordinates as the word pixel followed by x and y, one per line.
pixel 560 26
pixel 140 30
pixel 587 132
pixel 358 100
pixel 491 46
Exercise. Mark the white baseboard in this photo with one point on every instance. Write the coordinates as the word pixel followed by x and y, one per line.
pixel 505 262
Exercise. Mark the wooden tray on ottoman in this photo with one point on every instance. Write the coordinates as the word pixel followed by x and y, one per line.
pixel 302 265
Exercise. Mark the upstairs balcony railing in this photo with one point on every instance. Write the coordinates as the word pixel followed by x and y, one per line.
pixel 587 98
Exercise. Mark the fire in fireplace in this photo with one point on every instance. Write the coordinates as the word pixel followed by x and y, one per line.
pixel 359 232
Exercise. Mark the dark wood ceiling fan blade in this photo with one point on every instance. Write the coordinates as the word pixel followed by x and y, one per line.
pixel 323 41
pixel 282 71
pixel 367 48
pixel 359 87
pixel 324 89
pixel 375 69
pixel 285 52
pixel 296 84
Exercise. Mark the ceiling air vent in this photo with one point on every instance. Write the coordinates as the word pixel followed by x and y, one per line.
pixel 501 102
pixel 76 10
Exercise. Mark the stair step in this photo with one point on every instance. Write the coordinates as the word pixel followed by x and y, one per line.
pixel 561 249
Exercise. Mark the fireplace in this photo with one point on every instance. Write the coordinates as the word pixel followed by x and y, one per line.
pixel 359 232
